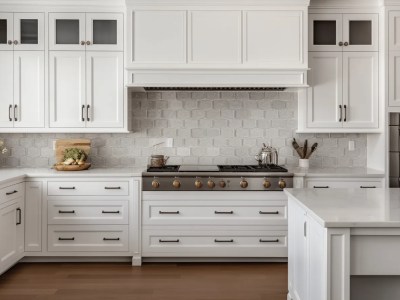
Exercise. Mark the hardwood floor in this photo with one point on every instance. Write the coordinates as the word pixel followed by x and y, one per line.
pixel 108 281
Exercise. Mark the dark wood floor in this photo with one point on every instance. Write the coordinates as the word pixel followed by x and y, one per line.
pixel 184 281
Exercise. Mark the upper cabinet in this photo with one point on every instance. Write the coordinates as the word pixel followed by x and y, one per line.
pixel 343 32
pixel 86 31
pixel 21 31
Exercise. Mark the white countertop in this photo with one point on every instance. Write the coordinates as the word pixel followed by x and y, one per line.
pixel 350 207
pixel 12 174
pixel 336 172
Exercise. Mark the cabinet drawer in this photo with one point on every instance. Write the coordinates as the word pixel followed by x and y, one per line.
pixel 87 212
pixel 216 244
pixel 89 238
pixel 12 192
pixel 88 188
pixel 349 183
pixel 217 213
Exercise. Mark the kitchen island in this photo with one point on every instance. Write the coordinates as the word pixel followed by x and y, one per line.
pixel 339 234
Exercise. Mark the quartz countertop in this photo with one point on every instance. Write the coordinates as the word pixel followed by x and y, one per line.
pixel 12 174
pixel 350 207
pixel 336 172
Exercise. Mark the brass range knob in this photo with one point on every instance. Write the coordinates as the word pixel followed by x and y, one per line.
pixel 176 184
pixel 211 184
pixel 267 184
pixel 198 184
pixel 244 184
pixel 282 184
pixel 222 184
pixel 155 184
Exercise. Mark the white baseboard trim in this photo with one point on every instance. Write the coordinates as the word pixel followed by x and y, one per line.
pixel 212 259
pixel 50 259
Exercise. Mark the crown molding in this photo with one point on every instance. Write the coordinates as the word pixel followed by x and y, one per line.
pixel 64 3
pixel 347 3
pixel 218 2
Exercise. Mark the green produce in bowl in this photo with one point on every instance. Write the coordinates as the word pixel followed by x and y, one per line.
pixel 74 156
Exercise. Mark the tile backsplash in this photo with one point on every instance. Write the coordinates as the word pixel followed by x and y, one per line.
pixel 206 128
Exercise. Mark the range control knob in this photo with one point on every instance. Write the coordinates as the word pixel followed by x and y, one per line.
pixel 155 184
pixel 282 184
pixel 176 184
pixel 222 184
pixel 244 184
pixel 267 184
pixel 198 184
pixel 211 184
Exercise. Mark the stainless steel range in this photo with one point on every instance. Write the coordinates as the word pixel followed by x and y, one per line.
pixel 217 178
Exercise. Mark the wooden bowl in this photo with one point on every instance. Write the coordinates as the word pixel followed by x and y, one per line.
pixel 60 167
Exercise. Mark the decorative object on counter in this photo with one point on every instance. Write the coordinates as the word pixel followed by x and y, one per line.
pixel 158 161
pixel 267 156
pixel 304 152
pixel 71 154
pixel 3 149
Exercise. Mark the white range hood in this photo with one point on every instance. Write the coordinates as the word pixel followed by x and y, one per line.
pixel 217 44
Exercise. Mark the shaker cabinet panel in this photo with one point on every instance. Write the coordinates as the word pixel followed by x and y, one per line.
pixel 104 31
pixel 67 88
pixel 394 76
pixel 105 89
pixel 33 216
pixel 67 31
pixel 29 89
pixel 28 31
pixel 6 89
pixel 6 31
pixel 216 37
pixel 325 93
pixel 268 46
pixel 158 36
pixel 394 31
pixel 325 32
pixel 360 31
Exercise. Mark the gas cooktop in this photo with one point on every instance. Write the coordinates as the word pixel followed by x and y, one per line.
pixel 219 168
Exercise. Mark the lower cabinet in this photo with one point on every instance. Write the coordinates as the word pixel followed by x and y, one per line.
pixel 214 224
pixel 324 183
pixel 33 216
pixel 11 225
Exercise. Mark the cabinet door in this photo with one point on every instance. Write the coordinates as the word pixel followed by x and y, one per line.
pixel 360 90
pixel 360 32
pixel 264 45
pixel 325 32
pixel 105 31
pixel 6 31
pixel 105 89
pixel 394 79
pixel 29 89
pixel 33 216
pixel 6 89
pixel 325 93
pixel 394 31
pixel 67 89
pixel 67 31
pixel 29 31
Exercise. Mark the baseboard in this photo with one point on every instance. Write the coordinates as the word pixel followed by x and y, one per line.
pixel 213 259
pixel 39 259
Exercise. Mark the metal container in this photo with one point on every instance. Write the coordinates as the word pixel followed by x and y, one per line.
pixel 267 156
pixel 158 161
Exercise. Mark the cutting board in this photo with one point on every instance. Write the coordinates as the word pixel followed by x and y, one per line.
pixel 61 145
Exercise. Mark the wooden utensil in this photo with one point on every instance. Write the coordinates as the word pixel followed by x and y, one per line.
pixel 297 148
pixel 305 148
pixel 313 148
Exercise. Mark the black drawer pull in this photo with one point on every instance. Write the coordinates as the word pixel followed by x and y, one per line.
pixel 269 212
pixel 269 241
pixel 223 212
pixel 11 193
pixel 223 241
pixel 66 211
pixel 110 239
pixel 321 187
pixel 19 211
pixel 66 188
pixel 110 212
pixel 112 187
pixel 66 239
pixel 169 241
pixel 169 212
pixel 368 187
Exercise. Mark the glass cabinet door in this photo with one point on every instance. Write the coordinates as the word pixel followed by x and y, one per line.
pixel 6 31
pixel 360 32
pixel 104 31
pixel 325 32
pixel 29 31
pixel 67 31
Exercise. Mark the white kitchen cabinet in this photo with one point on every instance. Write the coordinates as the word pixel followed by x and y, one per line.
pixel 86 31
pixel 33 216
pixel 324 183
pixel 6 31
pixel 11 225
pixel 22 102
pixel 394 58
pixel 394 31
pixel 86 89
pixel 343 32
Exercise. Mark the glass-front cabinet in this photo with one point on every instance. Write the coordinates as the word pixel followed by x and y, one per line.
pixel 21 31
pixel 90 31
pixel 343 32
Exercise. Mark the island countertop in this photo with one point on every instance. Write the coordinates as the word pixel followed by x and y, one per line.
pixel 350 207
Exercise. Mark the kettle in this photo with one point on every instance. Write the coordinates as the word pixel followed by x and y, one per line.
pixel 267 156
